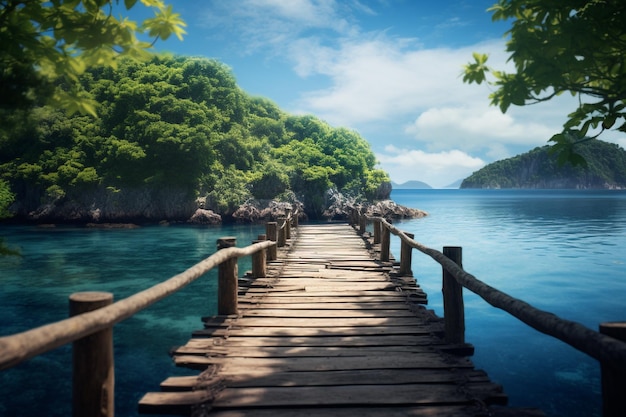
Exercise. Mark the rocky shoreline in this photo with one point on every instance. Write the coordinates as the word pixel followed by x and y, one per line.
pixel 338 207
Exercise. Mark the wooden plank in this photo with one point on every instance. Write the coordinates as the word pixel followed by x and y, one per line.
pixel 251 365
pixel 326 322
pixel 400 411
pixel 354 395
pixel 425 339
pixel 324 304
pixel 328 331
pixel 172 402
pixel 268 378
pixel 298 351
pixel 336 313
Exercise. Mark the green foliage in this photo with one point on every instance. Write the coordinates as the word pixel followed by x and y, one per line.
pixel 180 123
pixel 605 167
pixel 46 46
pixel 6 198
pixel 556 47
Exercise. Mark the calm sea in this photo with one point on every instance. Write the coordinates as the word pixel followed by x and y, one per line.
pixel 562 251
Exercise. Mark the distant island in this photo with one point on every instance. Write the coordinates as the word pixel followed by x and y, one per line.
pixel 411 185
pixel 539 169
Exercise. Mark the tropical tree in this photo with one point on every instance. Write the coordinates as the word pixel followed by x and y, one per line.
pixel 576 46
pixel 46 45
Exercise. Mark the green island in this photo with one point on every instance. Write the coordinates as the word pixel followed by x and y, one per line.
pixel 604 168
pixel 174 135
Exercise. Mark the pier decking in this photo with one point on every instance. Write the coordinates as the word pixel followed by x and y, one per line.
pixel 329 332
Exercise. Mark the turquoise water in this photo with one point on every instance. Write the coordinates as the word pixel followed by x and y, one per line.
pixel 561 251
pixel 58 261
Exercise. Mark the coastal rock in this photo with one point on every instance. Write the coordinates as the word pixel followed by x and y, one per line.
pixel 108 205
pixel 203 216
pixel 341 208
pixel 390 210
pixel 254 211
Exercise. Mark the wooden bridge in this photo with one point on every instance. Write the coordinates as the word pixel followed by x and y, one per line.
pixel 329 332
pixel 326 324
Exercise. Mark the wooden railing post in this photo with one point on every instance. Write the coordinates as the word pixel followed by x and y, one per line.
pixel 227 280
pixel 259 269
pixel 296 221
pixel 288 223
pixel 93 377
pixel 613 380
pixel 384 243
pixel 362 223
pixel 453 308
pixel 377 227
pixel 406 252
pixel 282 237
pixel 272 234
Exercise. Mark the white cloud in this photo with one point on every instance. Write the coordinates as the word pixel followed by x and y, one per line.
pixel 436 169
pixel 476 127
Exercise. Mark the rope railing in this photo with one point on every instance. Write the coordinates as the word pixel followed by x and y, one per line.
pixel 93 315
pixel 19 347
pixel 609 348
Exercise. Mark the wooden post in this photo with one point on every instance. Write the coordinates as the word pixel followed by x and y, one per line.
pixel 227 280
pixel 353 216
pixel 362 223
pixel 384 243
pixel 377 226
pixel 271 231
pixel 406 252
pixel 613 380
pixel 281 231
pixel 453 308
pixel 258 260
pixel 287 223
pixel 296 220
pixel 92 357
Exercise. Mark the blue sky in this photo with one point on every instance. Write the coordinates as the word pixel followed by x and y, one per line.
pixel 389 69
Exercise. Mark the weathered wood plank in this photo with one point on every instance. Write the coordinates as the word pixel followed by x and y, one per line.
pixel 425 339
pixel 251 365
pixel 338 314
pixel 354 395
pixel 322 331
pixel 401 411
pixel 298 351
pixel 269 378
pixel 327 322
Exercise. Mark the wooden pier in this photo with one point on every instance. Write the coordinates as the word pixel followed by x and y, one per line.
pixel 329 331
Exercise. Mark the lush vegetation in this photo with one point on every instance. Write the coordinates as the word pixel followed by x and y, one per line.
pixel 181 124
pixel 557 47
pixel 46 45
pixel 540 168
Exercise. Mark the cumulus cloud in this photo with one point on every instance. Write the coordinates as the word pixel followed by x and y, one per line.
pixel 392 89
pixel 437 169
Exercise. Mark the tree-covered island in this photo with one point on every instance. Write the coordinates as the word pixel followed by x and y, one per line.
pixel 604 168
pixel 174 134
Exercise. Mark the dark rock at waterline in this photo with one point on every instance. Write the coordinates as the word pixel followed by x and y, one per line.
pixel 390 210
pixel 341 207
pixel 205 217
pixel 255 211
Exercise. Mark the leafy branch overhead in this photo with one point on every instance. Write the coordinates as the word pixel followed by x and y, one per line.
pixel 556 47
pixel 46 46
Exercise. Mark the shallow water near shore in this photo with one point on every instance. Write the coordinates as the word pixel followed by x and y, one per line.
pixel 562 251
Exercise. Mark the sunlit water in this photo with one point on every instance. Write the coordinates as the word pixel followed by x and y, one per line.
pixel 58 261
pixel 560 251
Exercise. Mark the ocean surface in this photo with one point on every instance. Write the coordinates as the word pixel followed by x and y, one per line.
pixel 561 251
